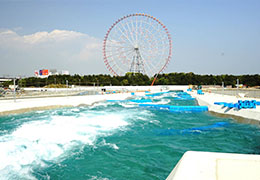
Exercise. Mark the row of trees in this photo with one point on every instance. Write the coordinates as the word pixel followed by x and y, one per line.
pixel 139 79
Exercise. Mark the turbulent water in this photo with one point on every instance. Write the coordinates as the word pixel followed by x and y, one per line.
pixel 114 140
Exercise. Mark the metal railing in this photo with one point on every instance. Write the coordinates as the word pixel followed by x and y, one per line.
pixel 23 94
pixel 250 93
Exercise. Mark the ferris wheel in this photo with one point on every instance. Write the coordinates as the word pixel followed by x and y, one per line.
pixel 137 43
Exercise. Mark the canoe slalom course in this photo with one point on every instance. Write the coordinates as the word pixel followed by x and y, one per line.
pixel 77 142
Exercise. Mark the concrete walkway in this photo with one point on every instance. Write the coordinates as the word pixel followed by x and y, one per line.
pixel 25 105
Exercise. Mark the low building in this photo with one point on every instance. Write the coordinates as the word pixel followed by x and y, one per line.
pixel 44 73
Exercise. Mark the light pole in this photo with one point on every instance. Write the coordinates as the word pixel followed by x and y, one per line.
pixel 14 92
pixel 223 87
pixel 237 85
pixel 55 84
pixel 67 85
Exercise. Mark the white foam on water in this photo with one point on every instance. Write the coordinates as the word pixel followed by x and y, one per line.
pixel 36 142
pixel 75 110
pixel 162 101
pixel 39 112
pixel 101 104
pixel 155 122
pixel 173 95
pixel 128 105
pixel 98 178
pixel 111 145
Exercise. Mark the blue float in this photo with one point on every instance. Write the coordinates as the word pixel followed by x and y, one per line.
pixel 176 108
pixel 157 94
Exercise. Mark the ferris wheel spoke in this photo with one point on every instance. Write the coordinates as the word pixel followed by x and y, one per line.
pixel 119 47
pixel 115 41
pixel 148 68
pixel 133 28
pixel 119 39
pixel 130 31
pixel 125 36
pixel 119 36
pixel 115 54
pixel 136 29
pixel 117 60
pixel 151 66
pixel 123 25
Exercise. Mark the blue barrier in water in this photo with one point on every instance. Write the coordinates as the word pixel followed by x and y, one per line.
pixel 156 94
pixel 240 104
pixel 176 108
pixel 196 130
pixel 132 100
pixel 220 103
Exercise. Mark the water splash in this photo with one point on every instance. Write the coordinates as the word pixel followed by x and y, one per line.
pixel 34 143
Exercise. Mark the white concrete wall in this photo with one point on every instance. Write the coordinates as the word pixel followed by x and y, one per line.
pixel 147 88
pixel 216 166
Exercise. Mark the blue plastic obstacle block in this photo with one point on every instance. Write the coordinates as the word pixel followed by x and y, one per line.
pixel 157 94
pixel 240 104
pixel 132 93
pixel 246 104
pixel 176 108
pixel 258 103
pixel 200 92
pixel 220 103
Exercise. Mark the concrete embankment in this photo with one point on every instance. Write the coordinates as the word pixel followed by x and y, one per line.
pixel 248 115
pixel 216 166
pixel 25 105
